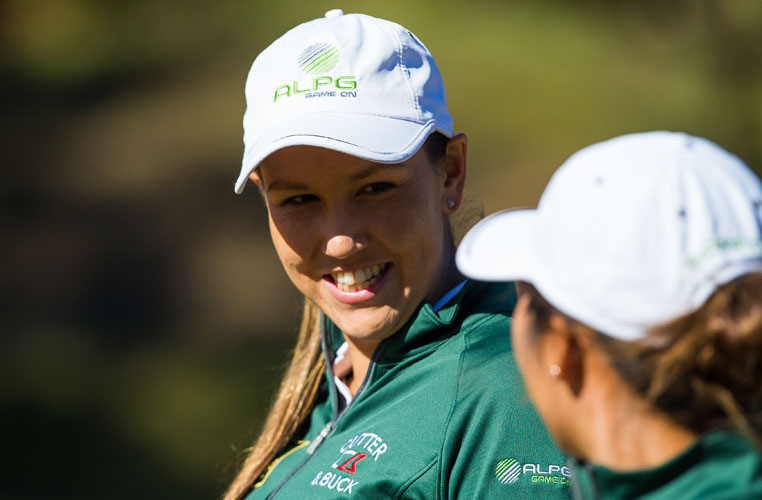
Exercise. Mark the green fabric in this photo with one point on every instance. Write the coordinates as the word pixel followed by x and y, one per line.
pixel 719 466
pixel 442 414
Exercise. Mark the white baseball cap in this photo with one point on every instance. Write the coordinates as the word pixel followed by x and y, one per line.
pixel 352 83
pixel 629 233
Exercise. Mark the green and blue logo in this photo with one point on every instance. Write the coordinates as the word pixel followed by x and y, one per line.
pixel 319 58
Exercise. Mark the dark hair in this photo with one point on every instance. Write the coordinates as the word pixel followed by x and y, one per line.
pixel 703 369
pixel 436 146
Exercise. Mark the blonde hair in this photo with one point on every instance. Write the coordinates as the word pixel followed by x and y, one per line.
pixel 704 370
pixel 293 404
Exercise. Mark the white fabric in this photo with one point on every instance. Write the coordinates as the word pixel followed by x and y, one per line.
pixel 352 83
pixel 629 233
pixel 340 385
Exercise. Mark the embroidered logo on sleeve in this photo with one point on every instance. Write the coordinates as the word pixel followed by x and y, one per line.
pixel 511 471
pixel 357 454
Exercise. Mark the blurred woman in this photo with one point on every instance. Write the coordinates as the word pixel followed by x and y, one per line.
pixel 401 385
pixel 638 328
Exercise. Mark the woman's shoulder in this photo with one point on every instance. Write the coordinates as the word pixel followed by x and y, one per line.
pixel 487 369
pixel 485 312
pixel 493 425
pixel 728 466
pixel 486 319
pixel 489 298
pixel 721 465
pixel 476 320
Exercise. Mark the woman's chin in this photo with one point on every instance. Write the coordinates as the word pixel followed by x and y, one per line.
pixel 370 324
pixel 370 314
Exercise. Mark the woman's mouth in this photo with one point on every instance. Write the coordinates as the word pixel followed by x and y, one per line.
pixel 359 280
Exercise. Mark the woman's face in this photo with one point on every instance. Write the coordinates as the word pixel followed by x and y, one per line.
pixel 367 242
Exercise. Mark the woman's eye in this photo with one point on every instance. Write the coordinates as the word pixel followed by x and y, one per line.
pixel 377 187
pixel 299 199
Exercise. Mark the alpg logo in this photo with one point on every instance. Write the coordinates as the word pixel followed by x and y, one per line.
pixel 510 470
pixel 318 59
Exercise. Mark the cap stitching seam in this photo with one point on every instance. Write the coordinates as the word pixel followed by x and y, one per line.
pixel 412 101
pixel 408 82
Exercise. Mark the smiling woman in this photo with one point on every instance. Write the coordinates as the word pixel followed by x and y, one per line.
pixel 334 216
pixel 398 383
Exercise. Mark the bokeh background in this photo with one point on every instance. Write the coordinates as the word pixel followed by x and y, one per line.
pixel 145 318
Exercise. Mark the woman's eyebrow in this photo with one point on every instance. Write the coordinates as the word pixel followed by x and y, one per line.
pixel 373 168
pixel 285 185
pixel 364 172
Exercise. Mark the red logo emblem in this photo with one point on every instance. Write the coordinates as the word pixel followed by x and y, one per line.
pixel 351 464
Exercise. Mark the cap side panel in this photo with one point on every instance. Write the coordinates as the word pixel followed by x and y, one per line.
pixel 392 30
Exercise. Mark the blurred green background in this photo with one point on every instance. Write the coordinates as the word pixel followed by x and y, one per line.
pixel 145 318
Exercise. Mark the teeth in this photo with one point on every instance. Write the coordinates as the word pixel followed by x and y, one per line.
pixel 358 280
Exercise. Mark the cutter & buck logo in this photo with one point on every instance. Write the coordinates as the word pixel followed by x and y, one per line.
pixel 358 453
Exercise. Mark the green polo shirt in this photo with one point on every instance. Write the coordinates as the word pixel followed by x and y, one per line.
pixel 719 466
pixel 441 414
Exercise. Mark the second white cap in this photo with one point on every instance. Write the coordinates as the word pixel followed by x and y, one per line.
pixel 629 233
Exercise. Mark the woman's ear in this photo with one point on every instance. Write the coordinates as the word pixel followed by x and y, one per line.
pixel 570 353
pixel 455 172
pixel 256 178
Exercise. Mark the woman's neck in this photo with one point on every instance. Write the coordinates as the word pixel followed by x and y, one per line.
pixel 359 355
pixel 449 276
pixel 625 433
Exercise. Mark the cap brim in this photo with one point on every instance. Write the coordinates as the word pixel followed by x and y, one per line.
pixel 500 247
pixel 375 138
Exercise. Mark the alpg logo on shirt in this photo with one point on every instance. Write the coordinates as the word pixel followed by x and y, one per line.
pixel 317 60
pixel 510 471
pixel 358 453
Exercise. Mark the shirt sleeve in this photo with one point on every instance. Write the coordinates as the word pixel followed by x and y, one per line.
pixel 495 445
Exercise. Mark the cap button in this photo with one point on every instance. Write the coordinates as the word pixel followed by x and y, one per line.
pixel 334 13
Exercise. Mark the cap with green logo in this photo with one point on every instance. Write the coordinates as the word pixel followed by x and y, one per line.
pixel 351 83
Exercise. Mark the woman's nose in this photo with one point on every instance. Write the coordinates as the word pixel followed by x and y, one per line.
pixel 341 246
